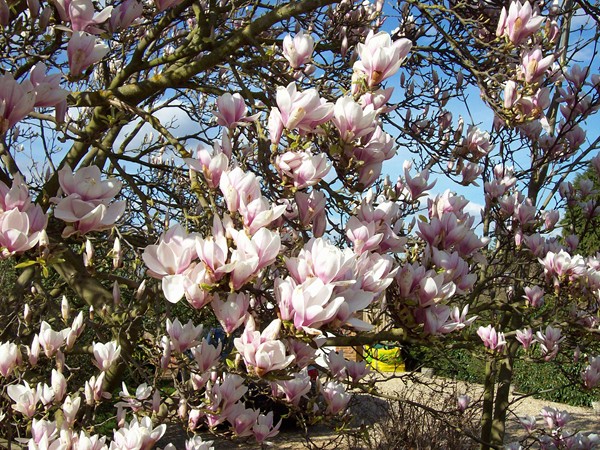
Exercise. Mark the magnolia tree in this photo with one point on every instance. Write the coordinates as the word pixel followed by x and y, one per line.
pixel 192 199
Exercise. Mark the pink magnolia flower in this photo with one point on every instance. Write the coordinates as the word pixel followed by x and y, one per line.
pixel 232 111
pixel 534 296
pixel 297 110
pixel 17 100
pixel 357 370
pixel 242 419
pixel 303 168
pixel 125 14
pixel 298 50
pixel 173 254
pixel 138 434
pixel 549 341
pixel 232 312
pixel 534 65
pixel 84 50
pixel 319 258
pixel 106 354
pixel 20 231
pixel 477 143
pixel 183 337
pixel 364 236
pixel 210 164
pixel 58 384
pixel 519 23
pixel 87 184
pixel 51 341
pixel 417 185
pixel 196 443
pixel 264 428
pixel 525 337
pixel 313 305
pixel 47 87
pixel 86 216
pixel 136 401
pixel 335 396
pixel 25 398
pixel 311 209
pixel 463 402
pixel 379 57
pixel 263 351
pixel 10 358
pixel 93 390
pixel 296 388
pixel 491 339
pixel 351 120
pixel 591 374
pixel 206 355
pixel 239 187
pixel 252 255
pixel 555 418
pixel 355 300
pixel 562 265
pixel 83 18
pixel 42 431
pixel 70 407
pixel 259 213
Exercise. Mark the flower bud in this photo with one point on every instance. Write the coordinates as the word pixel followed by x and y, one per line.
pixel 65 309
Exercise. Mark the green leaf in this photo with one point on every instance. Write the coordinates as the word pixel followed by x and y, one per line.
pixel 25 264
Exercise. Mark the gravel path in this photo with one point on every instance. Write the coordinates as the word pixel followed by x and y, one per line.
pixel 437 393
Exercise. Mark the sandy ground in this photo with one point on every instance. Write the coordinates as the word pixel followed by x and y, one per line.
pixel 436 393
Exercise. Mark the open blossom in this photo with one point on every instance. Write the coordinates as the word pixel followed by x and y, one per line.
pixel 591 374
pixel 196 443
pixel 47 87
pixel 84 50
pixel 231 313
pixel 379 57
pixel 83 17
pixel 313 305
pixel 25 398
pixel 51 341
pixel 534 296
pixel 303 111
pixel 477 144
pixel 335 396
pixel 17 100
pixel 124 14
pixel 264 428
pixel 139 432
pixel 169 260
pixel 298 49
pixel 20 231
pixel 87 184
pixel 10 358
pixel 351 120
pixel 86 217
pixel 525 337
pixel 87 206
pixel 534 65
pixel 549 341
pixel 562 265
pixel 303 168
pixel 519 23
pixel 491 338
pixel 263 351
pixel 106 354
pixel 185 336
pixel 232 111
pixel 295 388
